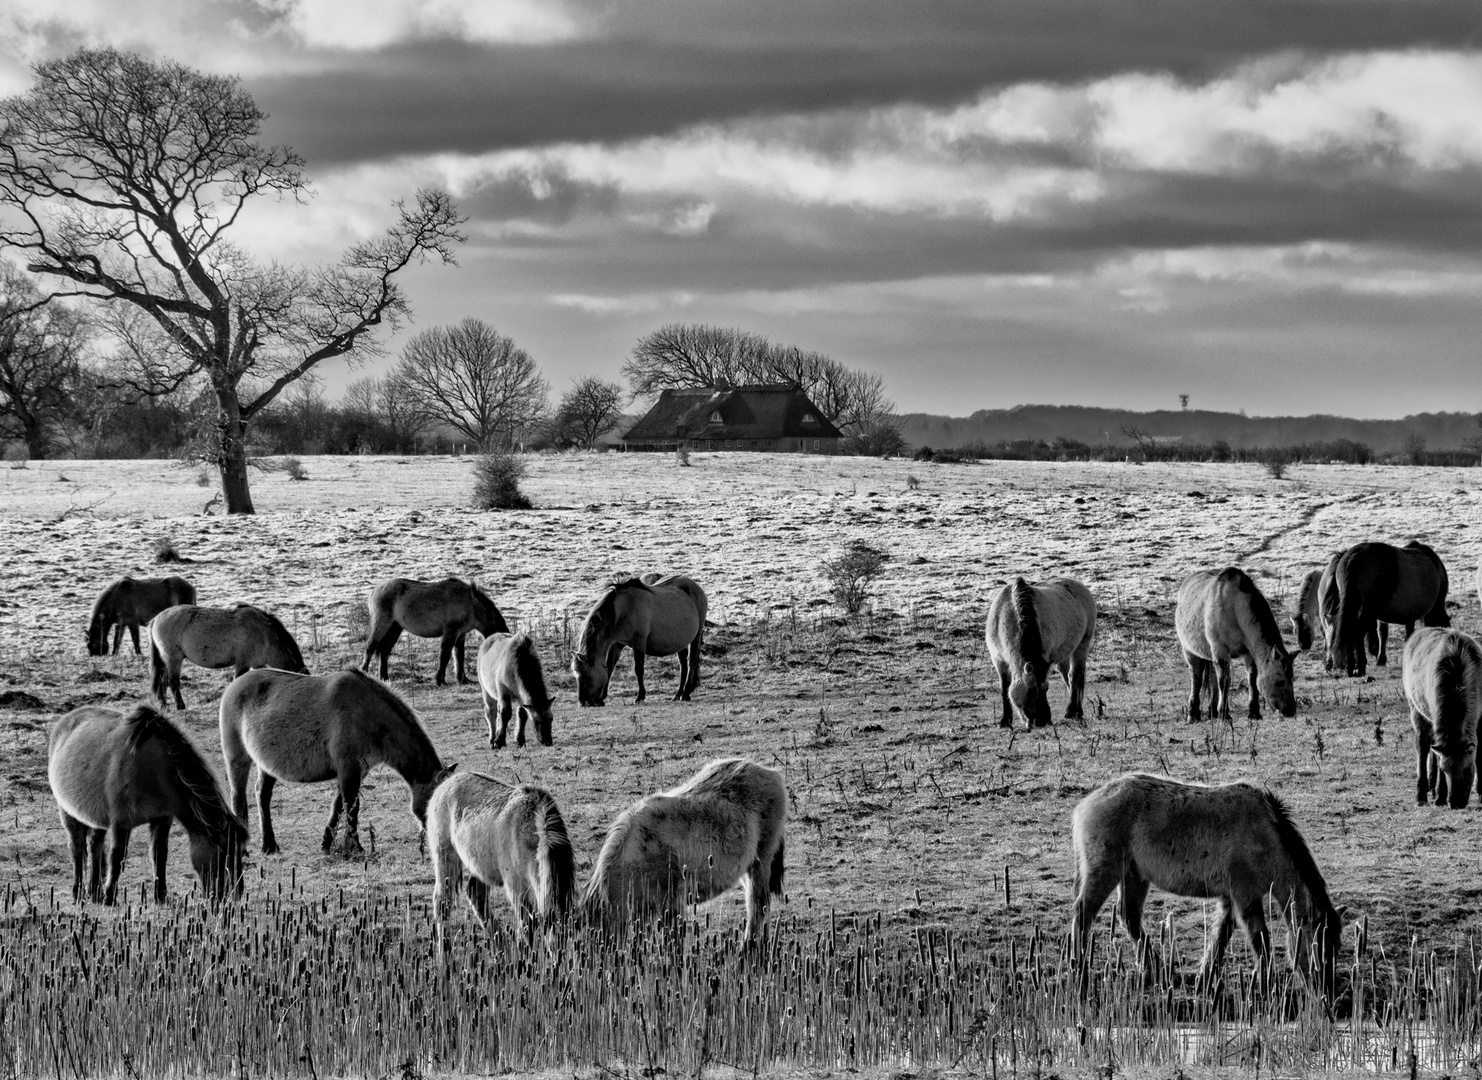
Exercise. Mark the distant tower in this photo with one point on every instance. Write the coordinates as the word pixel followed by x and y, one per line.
pixel 1183 400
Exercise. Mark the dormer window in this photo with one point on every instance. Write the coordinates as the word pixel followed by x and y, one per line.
pixel 715 417
pixel 809 418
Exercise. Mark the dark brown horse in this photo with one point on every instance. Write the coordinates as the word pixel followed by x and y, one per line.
pixel 131 603
pixel 113 771
pixel 1380 583
pixel 448 609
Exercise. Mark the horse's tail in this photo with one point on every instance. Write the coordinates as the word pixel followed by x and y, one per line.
pixel 557 863
pixel 1307 617
pixel 529 672
pixel 1348 635
pixel 1456 687
pixel 774 877
pixel 1031 642
pixel 159 674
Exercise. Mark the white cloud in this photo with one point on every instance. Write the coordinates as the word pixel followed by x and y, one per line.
pixel 640 304
pixel 371 24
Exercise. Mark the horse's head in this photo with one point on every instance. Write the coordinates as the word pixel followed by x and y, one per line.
pixel 1319 943
pixel 1275 680
pixel 1303 631
pixel 422 793
pixel 97 635
pixel 542 719
pixel 591 679
pixel 219 862
pixel 1028 696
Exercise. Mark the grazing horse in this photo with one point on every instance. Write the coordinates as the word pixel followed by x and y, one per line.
pixel 1385 584
pixel 1222 616
pixel 499 835
pixel 510 675
pixel 691 844
pixel 240 637
pixel 312 728
pixel 448 609
pixel 1032 628
pixel 1317 606
pixel 1232 841
pixel 654 615
pixel 1443 682
pixel 112 771
pixel 131 603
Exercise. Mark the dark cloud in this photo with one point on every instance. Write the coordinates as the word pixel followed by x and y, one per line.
pixel 654 67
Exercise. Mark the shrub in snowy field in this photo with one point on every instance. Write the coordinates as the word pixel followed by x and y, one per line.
pixel 496 482
pixel 852 574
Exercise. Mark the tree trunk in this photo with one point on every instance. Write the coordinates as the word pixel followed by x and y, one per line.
pixel 33 434
pixel 233 459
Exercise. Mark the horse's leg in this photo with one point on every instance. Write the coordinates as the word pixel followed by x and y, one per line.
pixel 175 665
pixel 696 648
pixel 1007 719
pixel 1223 685
pixel 1382 660
pixel 1424 767
pixel 134 634
pixel 524 715
pixel 501 733
pixel 118 631
pixel 265 785
pixel 1095 887
pixel 333 825
pixel 1074 674
pixel 1438 782
pixel 1198 666
pixel 350 793
pixel 97 840
pixel 491 706
pixel 682 693
pixel 638 645
pixel 1214 954
pixel 758 893
pixel 1134 895
pixel 1252 920
pixel 1251 674
pixel 442 660
pixel 159 850
pixel 388 642
pixel 458 647
pixel 478 899
pixel 77 836
pixel 118 847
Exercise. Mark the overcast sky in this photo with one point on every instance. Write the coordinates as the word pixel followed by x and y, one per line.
pixel 1273 205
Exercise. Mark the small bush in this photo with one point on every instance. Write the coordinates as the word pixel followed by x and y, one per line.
pixel 496 482
pixel 1276 463
pixel 682 456
pixel 357 621
pixel 294 468
pixel 166 552
pixel 853 573
pixel 912 483
pixel 203 478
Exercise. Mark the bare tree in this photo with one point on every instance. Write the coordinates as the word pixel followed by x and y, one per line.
pixel 588 411
pixel 122 178
pixel 474 379
pixel 683 355
pixel 40 351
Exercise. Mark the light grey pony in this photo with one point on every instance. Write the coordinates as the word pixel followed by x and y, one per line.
pixel 240 637
pixel 1031 629
pixel 489 834
pixel 1223 616
pixel 511 677
pixel 312 728
pixel 691 844
pixel 113 771
pixel 1443 683
pixel 1235 842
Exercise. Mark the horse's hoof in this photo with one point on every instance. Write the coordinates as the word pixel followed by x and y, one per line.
pixel 270 847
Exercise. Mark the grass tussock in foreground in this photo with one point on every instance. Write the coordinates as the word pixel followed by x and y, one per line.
pixel 290 985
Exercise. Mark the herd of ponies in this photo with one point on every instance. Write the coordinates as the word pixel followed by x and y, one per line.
pixel 113 770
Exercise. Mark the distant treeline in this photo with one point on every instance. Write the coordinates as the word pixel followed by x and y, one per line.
pixel 1343 451
pixel 1119 432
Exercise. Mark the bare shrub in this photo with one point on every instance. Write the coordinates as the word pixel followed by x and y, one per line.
pixel 294 468
pixel 203 478
pixel 852 574
pixel 166 552
pixel 357 621
pixel 496 481
pixel 1276 466
pixel 912 483
pixel 681 456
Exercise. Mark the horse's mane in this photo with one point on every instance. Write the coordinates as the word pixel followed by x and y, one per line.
pixel 1031 644
pixel 600 614
pixel 1260 607
pixel 1454 693
pixel 527 668
pixel 203 809
pixel 1296 849
pixel 281 637
pixel 598 889
pixel 404 712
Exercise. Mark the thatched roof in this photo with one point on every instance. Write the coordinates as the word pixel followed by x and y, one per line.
pixel 737 412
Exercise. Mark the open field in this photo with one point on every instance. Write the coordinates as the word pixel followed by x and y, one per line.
pixel 909 804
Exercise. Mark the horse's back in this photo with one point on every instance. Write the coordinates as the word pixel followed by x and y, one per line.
pixel 1223 613
pixel 296 726
pixel 105 767
pixel 685 584
pixel 424 608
